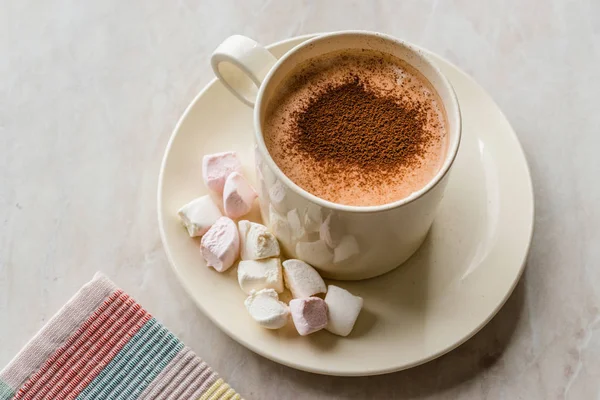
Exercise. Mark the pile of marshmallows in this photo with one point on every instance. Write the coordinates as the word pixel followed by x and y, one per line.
pixel 260 271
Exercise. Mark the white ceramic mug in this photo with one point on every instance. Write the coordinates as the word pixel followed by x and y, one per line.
pixel 341 241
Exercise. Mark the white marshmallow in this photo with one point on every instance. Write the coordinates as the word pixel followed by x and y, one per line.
pixel 331 231
pixel 220 246
pixel 257 241
pixel 217 167
pixel 277 196
pixel 199 215
pixel 312 218
pixel 343 309
pixel 260 274
pixel 316 253
pixel 238 195
pixel 266 309
pixel 347 248
pixel 302 279
pixel 309 315
pixel 296 229
pixel 279 225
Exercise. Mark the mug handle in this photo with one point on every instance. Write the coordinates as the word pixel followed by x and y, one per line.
pixel 241 64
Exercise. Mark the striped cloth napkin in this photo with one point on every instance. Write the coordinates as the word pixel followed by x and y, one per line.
pixel 104 345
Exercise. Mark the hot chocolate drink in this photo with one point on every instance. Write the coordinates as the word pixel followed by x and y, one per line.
pixel 357 128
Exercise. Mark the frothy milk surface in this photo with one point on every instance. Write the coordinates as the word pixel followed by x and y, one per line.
pixel 357 128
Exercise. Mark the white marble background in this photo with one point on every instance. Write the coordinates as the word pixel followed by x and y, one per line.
pixel 89 94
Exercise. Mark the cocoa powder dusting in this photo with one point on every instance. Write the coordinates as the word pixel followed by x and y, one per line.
pixel 357 128
pixel 349 127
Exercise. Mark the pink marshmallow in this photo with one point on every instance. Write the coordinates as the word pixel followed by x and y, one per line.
pixel 217 167
pixel 238 195
pixel 309 314
pixel 220 246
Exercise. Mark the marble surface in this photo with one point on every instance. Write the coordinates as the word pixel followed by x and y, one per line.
pixel 89 94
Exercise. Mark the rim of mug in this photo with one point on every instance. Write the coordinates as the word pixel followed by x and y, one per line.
pixel 450 155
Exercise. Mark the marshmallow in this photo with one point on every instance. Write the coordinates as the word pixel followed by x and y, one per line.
pixel 220 246
pixel 312 218
pixel 217 167
pixel 199 215
pixel 316 253
pixel 238 195
pixel 343 309
pixel 260 274
pixel 279 225
pixel 302 279
pixel 331 231
pixel 266 309
pixel 257 241
pixel 309 315
pixel 296 228
pixel 347 248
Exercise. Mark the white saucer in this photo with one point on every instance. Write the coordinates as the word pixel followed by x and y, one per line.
pixel 449 290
